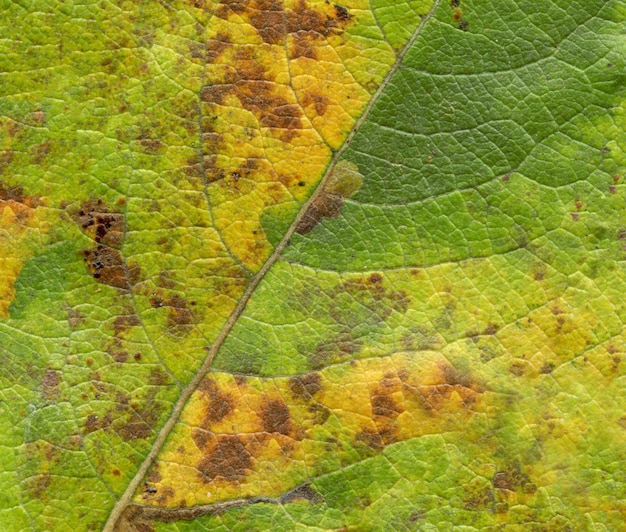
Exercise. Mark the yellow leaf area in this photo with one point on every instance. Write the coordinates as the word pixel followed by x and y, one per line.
pixel 503 391
pixel 21 220
pixel 244 436
pixel 284 84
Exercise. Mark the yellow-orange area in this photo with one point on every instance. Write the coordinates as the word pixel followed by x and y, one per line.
pixel 245 436
pixel 284 84
pixel 20 219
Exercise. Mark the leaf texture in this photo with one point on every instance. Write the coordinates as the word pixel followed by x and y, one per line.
pixel 197 334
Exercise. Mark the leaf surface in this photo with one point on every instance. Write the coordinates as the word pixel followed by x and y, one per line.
pixel 432 337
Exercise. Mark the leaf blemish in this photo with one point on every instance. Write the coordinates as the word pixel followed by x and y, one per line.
pixel 344 181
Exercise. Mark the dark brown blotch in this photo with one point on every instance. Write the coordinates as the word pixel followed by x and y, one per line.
pixel 275 417
pixel 50 385
pixel 324 205
pixel 179 316
pixel 107 266
pixel 228 459
pixel 220 404
pixel 305 386
pixel 378 439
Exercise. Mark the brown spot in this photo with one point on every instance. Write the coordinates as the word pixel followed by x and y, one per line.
pixel 164 495
pixel 275 417
pixel 165 280
pixel 229 459
pixel 305 386
pixel 100 223
pixel 318 101
pixel 512 478
pixel 38 485
pixel 517 369
pixel 324 205
pixel 384 405
pixel 124 323
pixel 74 318
pixel 377 440
pixel 464 26
pixel 454 377
pixel 612 189
pixel 320 413
pixel 116 472
pixel 40 151
pixel 547 368
pixel 158 376
pixel 491 328
pixel 50 385
pixel 539 276
pixel 303 47
pixel 457 14
pixel 216 47
pixel 303 492
pixel 179 316
pixel 478 497
pixel 107 267
pixel 575 216
pixel 455 3
pixel 268 18
pixel 342 13
pixel 219 406
pixel 94 423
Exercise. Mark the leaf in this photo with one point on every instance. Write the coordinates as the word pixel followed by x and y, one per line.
pixel 311 265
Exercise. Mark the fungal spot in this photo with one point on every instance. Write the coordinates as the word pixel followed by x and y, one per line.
pixel 104 260
pixel 50 385
pixel 179 316
pixel 464 25
pixel 378 440
pixel 229 459
pixel 342 183
pixel 219 406
pixel 275 417
pixel 513 478
pixel 304 492
pixel 305 386
pixel 318 102
pixel 123 324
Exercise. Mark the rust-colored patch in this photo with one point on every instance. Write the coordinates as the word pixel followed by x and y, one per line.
pixel 178 316
pixel 107 267
pixel 122 324
pixel 319 102
pixel 50 385
pixel 303 492
pixel 94 423
pixel 38 485
pixel 15 194
pixel 378 440
pixel 384 405
pixel 219 406
pixel 228 459
pixel 104 260
pixel 305 386
pixel 303 47
pixel 216 47
pixel 139 420
pixel 100 223
pixel 513 478
pixel 324 205
pixel 275 417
